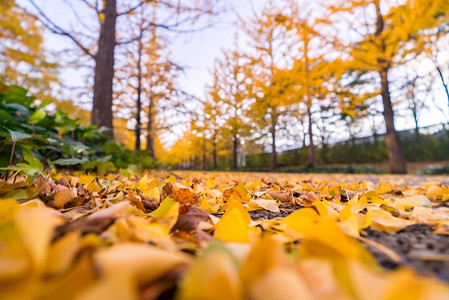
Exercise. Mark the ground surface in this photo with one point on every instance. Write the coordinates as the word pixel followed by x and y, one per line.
pixel 199 235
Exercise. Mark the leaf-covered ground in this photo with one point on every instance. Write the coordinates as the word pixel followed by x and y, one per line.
pixel 194 235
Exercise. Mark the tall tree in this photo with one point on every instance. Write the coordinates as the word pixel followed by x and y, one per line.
pixel 230 88
pixel 103 50
pixel 213 110
pixel 386 33
pixel 148 84
pixel 270 52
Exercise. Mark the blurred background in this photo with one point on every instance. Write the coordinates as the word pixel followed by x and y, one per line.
pixel 286 85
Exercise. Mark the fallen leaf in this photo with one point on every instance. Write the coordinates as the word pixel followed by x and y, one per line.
pixel 64 196
pixel 189 221
pixel 280 283
pixel 203 282
pixel 144 263
pixel 269 205
pixel 232 227
pixel 185 196
pixel 36 226
pixel 413 201
pixel 435 192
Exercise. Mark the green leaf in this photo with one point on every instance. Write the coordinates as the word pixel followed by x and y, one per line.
pixel 33 161
pixel 28 169
pixel 17 135
pixel 125 173
pixel 5 116
pixel 69 161
pixel 38 116
pixel 104 159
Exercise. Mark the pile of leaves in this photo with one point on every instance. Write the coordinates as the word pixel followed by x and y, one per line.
pixel 191 235
pixel 32 133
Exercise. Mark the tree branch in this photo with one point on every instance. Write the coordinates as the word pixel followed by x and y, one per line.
pixel 134 8
pixel 50 25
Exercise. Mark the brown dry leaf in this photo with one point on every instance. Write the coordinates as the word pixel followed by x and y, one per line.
pixel 167 191
pixel 136 200
pixel 185 196
pixel 309 198
pixel 189 220
pixel 280 196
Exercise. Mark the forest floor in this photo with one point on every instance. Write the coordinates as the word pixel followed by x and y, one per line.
pixel 223 235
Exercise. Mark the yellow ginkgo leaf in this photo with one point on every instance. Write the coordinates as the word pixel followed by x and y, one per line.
pixel 233 203
pixel 409 202
pixel 384 221
pixel 203 282
pixel 206 206
pixel 93 187
pixel 232 227
pixel 141 183
pixel 14 261
pixel 384 187
pixel 301 220
pixel 62 252
pixel 327 241
pixel 269 205
pixel 144 262
pixel 280 283
pixel 435 192
pixel 86 179
pixel 115 286
pixel 264 256
pixel 36 226
pixel 405 284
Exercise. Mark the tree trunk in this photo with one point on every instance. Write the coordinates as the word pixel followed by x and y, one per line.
pixel 138 128
pixel 104 70
pixel 150 138
pixel 214 151
pixel 234 152
pixel 394 147
pixel 311 147
pixel 273 158
pixel 204 160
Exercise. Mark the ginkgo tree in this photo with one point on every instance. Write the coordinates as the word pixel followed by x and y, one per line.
pixel 146 79
pixel 213 120
pixel 23 60
pixel 232 80
pixel 270 52
pixel 385 35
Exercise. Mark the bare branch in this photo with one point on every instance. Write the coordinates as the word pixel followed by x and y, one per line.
pixel 134 8
pixel 94 7
pixel 50 25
